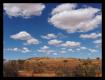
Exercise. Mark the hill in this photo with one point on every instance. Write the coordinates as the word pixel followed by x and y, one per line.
pixel 59 67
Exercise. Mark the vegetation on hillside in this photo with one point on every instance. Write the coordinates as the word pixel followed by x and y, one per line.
pixel 58 67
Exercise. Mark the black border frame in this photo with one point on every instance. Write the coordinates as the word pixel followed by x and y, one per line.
pixel 51 1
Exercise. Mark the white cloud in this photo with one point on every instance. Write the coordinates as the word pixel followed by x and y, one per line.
pixel 70 49
pixel 49 36
pixel 15 49
pixel 47 51
pixel 53 36
pixel 98 45
pixel 25 10
pixel 55 54
pixel 22 50
pixel 100 34
pixel 91 36
pixel 75 20
pixel 71 44
pixel 23 35
pixel 32 41
pixel 98 41
pixel 90 24
pixel 45 47
pixel 78 49
pixel 92 50
pixel 25 50
pixel 54 42
pixel 83 48
pixel 12 49
pixel 63 7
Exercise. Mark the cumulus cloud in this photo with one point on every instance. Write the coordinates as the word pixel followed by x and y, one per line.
pixel 54 42
pixel 90 24
pixel 23 35
pixel 25 49
pixel 91 36
pixel 99 41
pixel 100 34
pixel 70 50
pixel 49 36
pixel 63 7
pixel 70 44
pixel 78 49
pixel 22 50
pixel 98 45
pixel 45 49
pixel 92 50
pixel 13 49
pixel 83 47
pixel 32 41
pixel 53 36
pixel 25 10
pixel 55 54
pixel 70 19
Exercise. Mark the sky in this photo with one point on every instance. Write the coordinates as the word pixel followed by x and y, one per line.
pixel 69 30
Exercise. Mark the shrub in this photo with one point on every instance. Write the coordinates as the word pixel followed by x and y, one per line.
pixel 65 70
pixel 10 69
pixel 85 70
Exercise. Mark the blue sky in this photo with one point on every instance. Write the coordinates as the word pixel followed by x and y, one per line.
pixel 52 30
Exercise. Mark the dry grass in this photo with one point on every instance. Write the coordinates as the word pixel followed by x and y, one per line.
pixel 51 67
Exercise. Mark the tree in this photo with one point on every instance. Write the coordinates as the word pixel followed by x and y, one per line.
pixel 98 58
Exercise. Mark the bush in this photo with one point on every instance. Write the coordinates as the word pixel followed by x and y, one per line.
pixel 10 69
pixel 85 70
pixel 65 70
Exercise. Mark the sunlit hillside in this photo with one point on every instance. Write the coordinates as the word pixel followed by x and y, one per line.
pixel 53 67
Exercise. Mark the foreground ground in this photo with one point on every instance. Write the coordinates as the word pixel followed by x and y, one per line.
pixel 53 67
